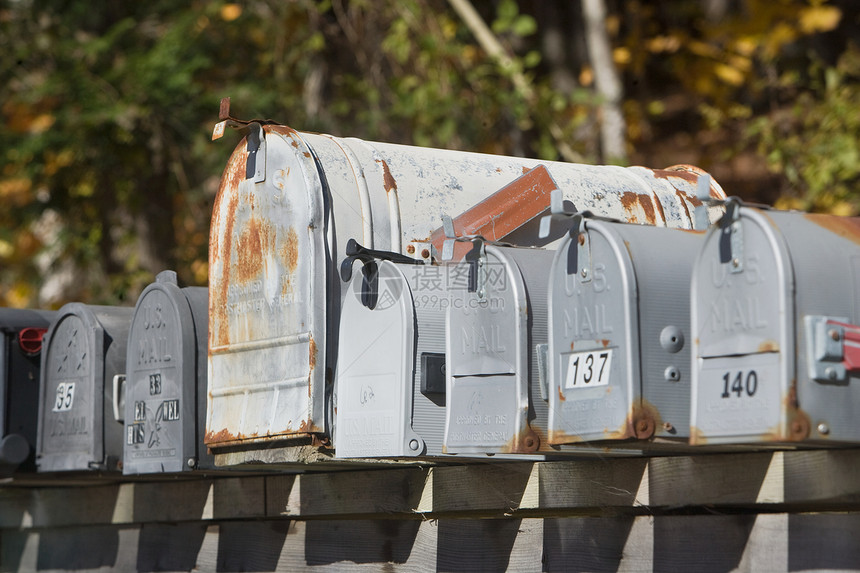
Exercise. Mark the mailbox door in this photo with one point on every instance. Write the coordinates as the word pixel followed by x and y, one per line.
pixel 742 322
pixel 84 350
pixel 161 382
pixel 594 338
pixel 487 359
pixel 71 425
pixel 268 258
pixel 375 366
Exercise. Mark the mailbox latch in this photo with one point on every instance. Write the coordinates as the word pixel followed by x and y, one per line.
pixel 833 348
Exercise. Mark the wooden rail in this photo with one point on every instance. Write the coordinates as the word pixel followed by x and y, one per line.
pixel 757 511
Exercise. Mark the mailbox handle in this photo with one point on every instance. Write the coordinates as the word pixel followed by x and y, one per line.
pixel 355 252
pixel 119 397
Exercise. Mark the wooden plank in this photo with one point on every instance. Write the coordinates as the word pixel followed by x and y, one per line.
pixel 717 479
pixel 385 492
pixel 822 476
pixel 608 482
pixel 741 542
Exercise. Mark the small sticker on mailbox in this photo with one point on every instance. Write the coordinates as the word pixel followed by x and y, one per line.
pixel 588 369
pixel 65 397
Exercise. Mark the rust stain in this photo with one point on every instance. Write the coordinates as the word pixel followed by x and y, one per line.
pixel 290 250
pixel 312 358
pixel 253 242
pixel 690 174
pixel 571 345
pixel 682 199
pixel 605 342
pixel 768 346
pixel 640 424
pixel 525 170
pixel 526 442
pixel 219 437
pixel 561 395
pixel 642 420
pixel 220 248
pixel 659 205
pixel 387 179
pixel 846 227
pixel 630 200
pixel 798 420
pixel 697 437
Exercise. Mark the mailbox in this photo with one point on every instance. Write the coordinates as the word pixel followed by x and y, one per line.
pixel 775 297
pixel 165 386
pixel 496 326
pixel 390 381
pixel 20 348
pixel 288 203
pixel 80 419
pixel 619 342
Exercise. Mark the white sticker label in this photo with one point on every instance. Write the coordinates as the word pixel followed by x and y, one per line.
pixel 588 369
pixel 65 397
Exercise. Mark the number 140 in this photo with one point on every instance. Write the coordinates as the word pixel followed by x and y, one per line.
pixel 739 385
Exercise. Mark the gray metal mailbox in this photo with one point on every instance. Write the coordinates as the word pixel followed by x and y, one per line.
pixel 80 427
pixel 496 325
pixel 774 298
pixel 287 205
pixel 390 380
pixel 21 332
pixel 619 349
pixel 165 389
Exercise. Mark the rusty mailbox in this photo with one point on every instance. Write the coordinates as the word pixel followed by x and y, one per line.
pixel 165 389
pixel 80 421
pixel 619 358
pixel 775 304
pixel 20 348
pixel 287 205
pixel 390 380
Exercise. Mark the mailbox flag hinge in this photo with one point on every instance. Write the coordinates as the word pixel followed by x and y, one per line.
pixel 833 348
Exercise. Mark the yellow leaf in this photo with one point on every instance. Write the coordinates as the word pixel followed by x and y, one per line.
pixel 819 19
pixel 621 56
pixel 19 295
pixel 703 49
pixel 745 46
pixel 664 44
pixel 6 249
pixel 586 76
pixel 200 269
pixel 42 123
pixel 779 36
pixel 15 191
pixel 729 75
pixel 230 12
pixel 842 209
pixel 788 203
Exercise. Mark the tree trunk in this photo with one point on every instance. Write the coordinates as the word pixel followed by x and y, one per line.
pixel 607 82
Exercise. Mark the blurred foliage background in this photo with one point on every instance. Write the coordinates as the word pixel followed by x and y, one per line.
pixel 107 171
